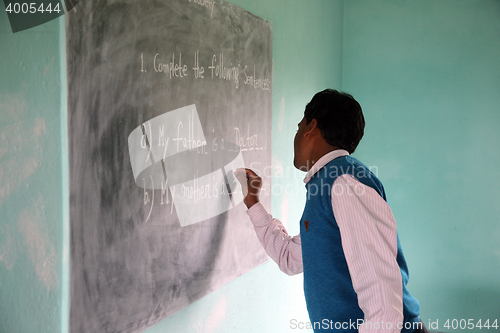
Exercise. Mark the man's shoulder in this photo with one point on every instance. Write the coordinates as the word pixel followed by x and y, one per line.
pixel 345 164
pixel 349 165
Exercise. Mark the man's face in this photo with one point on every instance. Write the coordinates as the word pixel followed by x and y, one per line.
pixel 299 147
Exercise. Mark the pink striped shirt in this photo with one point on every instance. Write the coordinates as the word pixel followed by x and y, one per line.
pixel 369 240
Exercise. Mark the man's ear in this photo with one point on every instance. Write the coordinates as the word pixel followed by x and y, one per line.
pixel 311 127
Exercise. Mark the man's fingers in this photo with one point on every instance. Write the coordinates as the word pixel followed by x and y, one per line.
pixel 253 179
pixel 250 185
pixel 241 175
pixel 250 174
pixel 246 174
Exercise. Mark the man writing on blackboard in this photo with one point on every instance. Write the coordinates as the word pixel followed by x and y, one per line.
pixel 355 274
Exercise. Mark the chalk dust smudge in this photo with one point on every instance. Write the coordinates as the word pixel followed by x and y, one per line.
pixel 20 143
pixel 48 66
pixel 8 249
pixel 277 167
pixel 214 318
pixel 32 225
pixel 281 118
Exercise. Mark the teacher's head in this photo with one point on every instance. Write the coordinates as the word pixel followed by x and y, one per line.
pixel 332 120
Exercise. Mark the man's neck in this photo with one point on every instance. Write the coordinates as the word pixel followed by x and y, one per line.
pixel 318 153
pixel 325 159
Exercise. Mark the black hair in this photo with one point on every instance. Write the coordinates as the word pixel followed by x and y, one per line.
pixel 339 116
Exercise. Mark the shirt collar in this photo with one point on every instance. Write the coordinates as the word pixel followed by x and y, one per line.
pixel 324 160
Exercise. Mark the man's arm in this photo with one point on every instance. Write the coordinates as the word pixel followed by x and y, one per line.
pixel 284 249
pixel 369 241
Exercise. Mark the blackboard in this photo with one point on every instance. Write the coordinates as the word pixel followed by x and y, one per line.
pixel 165 99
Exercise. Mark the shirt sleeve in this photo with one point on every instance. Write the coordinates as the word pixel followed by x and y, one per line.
pixel 285 250
pixel 369 240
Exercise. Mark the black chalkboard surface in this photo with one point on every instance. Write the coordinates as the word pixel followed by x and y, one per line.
pixel 165 98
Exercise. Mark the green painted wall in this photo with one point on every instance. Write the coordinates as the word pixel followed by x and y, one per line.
pixel 428 75
pixel 32 186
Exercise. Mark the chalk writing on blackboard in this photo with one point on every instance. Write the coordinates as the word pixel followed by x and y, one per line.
pixel 201 185
pixel 218 68
pixel 172 68
pixel 210 4
pixel 198 70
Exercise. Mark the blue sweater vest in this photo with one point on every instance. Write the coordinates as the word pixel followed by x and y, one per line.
pixel 330 296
